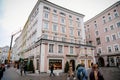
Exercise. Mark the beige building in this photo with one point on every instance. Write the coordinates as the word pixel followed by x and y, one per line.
pixel 53 34
pixel 103 31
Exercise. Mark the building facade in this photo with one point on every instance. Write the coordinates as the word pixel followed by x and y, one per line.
pixel 54 35
pixel 103 31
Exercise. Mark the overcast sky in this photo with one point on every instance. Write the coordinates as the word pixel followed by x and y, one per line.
pixel 14 13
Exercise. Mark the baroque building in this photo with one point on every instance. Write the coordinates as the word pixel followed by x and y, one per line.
pixel 103 31
pixel 54 34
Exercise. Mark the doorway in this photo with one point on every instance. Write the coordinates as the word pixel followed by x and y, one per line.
pixel 72 62
pixel 101 62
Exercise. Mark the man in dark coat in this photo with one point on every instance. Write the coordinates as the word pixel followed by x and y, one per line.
pixel 51 69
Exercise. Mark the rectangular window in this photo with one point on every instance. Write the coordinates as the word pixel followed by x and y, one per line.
pixel 116 14
pixel 63 29
pixel 109 49
pixel 107 39
pixel 62 20
pixel 98 41
pixel 57 63
pixel 55 18
pixel 71 31
pixel 118 24
pixel 71 49
pixel 99 50
pixel 118 34
pixel 51 47
pixel 45 36
pixel 78 24
pixel 78 33
pixel 109 18
pixel 70 22
pixel 113 37
pixel 45 25
pixel 54 37
pixel 95 26
pixel 105 29
pixel 96 32
pixel 46 15
pixel 116 48
pixel 55 28
pixel 60 49
pixel 111 27
pixel 63 39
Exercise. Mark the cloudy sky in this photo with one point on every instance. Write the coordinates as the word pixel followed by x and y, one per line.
pixel 14 13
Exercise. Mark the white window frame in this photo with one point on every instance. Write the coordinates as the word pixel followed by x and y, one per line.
pixel 70 22
pixel 49 48
pixel 44 25
pixel 117 25
pixel 113 27
pixel 62 29
pixel 62 48
pixel 105 29
pixel 54 26
pixel 115 36
pixel 46 13
pixel 117 14
pixel 118 33
pixel 98 50
pixel 70 50
pixel 55 17
pixel 108 49
pixel 109 18
pixel 62 20
pixel 106 38
pixel 115 45
pixel 71 31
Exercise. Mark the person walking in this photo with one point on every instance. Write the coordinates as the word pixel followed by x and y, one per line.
pixel 51 69
pixel 21 68
pixel 95 73
pixel 25 68
pixel 81 72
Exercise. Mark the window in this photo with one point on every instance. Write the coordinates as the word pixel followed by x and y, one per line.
pixel 71 49
pixel 109 18
pixel 45 25
pixel 118 34
pixel 78 33
pixel 96 32
pixel 63 29
pixel 98 41
pixel 51 47
pixel 113 37
pixel 70 22
pixel 99 50
pixel 105 29
pixel 116 48
pixel 55 18
pixel 72 40
pixel 116 14
pixel 63 39
pixel 60 48
pixel 71 31
pixel 95 26
pixel 54 37
pixel 78 24
pixel 45 36
pixel 57 63
pixel 111 27
pixel 62 20
pixel 55 28
pixel 118 24
pixel 107 39
pixel 46 15
pixel 55 11
pixel 109 49
pixel 104 21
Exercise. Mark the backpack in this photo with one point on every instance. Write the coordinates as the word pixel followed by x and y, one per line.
pixel 80 74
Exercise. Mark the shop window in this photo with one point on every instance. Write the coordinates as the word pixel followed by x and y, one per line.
pixel 57 63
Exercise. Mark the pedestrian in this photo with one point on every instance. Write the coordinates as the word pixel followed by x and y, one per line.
pixel 21 68
pixel 70 72
pixel 51 69
pixel 82 72
pixel 25 68
pixel 95 73
pixel 1 71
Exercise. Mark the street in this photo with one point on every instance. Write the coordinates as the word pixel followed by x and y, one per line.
pixel 13 74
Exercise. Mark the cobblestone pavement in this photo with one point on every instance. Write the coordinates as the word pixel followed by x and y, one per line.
pixel 13 74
